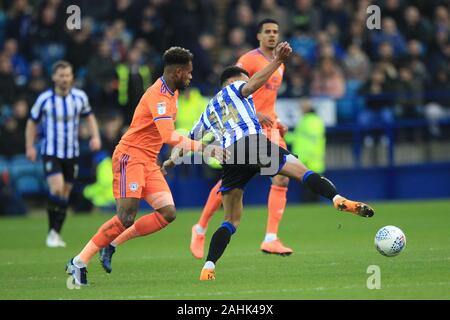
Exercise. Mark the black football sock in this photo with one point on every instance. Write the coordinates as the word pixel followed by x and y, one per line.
pixel 320 185
pixel 52 211
pixel 219 241
pixel 61 216
pixel 56 209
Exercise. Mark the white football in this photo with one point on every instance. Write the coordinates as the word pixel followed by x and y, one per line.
pixel 390 241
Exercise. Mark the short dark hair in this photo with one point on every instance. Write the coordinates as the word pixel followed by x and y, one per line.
pixel 231 72
pixel 264 21
pixel 61 64
pixel 177 55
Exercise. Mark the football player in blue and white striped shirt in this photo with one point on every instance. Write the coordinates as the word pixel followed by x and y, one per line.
pixel 56 114
pixel 232 118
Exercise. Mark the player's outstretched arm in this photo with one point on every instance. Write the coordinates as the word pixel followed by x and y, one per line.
pixel 282 52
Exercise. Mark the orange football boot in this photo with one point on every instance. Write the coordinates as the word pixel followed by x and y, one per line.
pixel 357 208
pixel 197 243
pixel 276 247
pixel 207 274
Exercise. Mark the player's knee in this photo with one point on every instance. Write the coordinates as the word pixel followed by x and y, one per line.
pixel 57 192
pixel 169 213
pixel 281 181
pixel 126 216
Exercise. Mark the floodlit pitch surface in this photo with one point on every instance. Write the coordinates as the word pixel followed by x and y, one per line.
pixel 333 259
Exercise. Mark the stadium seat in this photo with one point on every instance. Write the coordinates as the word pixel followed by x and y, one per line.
pixel 28 184
pixel 4 164
pixel 24 172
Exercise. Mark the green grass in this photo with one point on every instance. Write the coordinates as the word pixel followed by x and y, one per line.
pixel 332 253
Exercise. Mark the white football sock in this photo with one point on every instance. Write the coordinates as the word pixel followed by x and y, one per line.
pixel 199 229
pixel 270 237
pixel 77 262
pixel 209 265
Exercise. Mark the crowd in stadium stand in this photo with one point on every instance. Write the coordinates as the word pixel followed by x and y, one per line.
pixel 401 70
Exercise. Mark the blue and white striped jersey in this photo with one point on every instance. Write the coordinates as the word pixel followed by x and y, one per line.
pixel 60 119
pixel 229 116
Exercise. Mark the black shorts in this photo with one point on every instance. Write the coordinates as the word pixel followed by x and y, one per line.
pixel 249 156
pixel 54 165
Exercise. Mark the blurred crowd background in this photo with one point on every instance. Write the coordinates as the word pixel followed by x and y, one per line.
pixel 388 89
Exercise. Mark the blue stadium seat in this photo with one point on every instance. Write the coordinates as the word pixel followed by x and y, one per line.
pixel 26 176
pixel 28 184
pixel 4 164
pixel 21 166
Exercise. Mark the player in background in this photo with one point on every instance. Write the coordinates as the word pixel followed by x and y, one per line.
pixel 231 116
pixel 265 100
pixel 59 110
pixel 136 172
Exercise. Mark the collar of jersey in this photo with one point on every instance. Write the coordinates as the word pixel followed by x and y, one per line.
pixel 262 53
pixel 165 85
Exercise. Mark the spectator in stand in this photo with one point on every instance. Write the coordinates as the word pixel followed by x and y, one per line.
pixel 304 17
pixel 236 46
pixel 390 34
pixel 393 9
pixel 151 27
pixel 328 80
pixel 12 140
pixel 80 46
pixel 19 20
pixel 203 75
pixel 416 52
pixel 47 38
pixel 438 101
pixel 20 113
pixel 134 78
pixel 8 88
pixel 242 16
pixel 356 64
pixel 187 19
pixel 334 12
pixel 111 131
pixel 358 35
pixel 441 19
pixel 101 80
pixel 119 39
pixel 298 76
pixel 125 10
pixel 271 9
pixel 38 82
pixel 18 61
pixel 387 62
pixel 410 95
pixel 416 26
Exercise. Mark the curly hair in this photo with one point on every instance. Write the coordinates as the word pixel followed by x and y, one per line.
pixel 231 72
pixel 177 55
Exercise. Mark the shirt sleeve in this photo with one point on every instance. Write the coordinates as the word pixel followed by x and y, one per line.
pixel 86 109
pixel 199 130
pixel 36 109
pixel 237 87
pixel 162 117
pixel 246 62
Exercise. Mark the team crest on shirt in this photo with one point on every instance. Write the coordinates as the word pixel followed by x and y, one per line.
pixel 48 166
pixel 134 186
pixel 161 107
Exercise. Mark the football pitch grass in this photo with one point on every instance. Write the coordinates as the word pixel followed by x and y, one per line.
pixel 333 252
